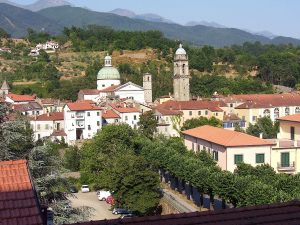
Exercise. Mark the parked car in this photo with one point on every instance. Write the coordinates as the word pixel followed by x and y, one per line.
pixel 117 211
pixel 110 200
pixel 73 189
pixel 102 195
pixel 85 188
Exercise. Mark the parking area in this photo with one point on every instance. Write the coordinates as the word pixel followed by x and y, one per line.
pixel 102 209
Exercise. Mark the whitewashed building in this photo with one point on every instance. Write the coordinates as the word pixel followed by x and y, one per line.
pixel 82 120
pixel 47 125
pixel 128 113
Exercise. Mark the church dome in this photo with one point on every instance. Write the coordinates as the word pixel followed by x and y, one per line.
pixel 108 72
pixel 180 50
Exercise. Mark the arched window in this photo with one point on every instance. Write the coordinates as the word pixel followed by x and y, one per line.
pixel 276 113
pixel 297 110
pixel 287 111
pixel 267 113
pixel 183 68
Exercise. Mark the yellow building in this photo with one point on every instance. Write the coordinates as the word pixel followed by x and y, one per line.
pixel 286 154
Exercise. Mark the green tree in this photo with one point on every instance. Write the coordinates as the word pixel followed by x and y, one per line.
pixel 148 124
pixel 265 126
pixel 72 159
pixel 201 121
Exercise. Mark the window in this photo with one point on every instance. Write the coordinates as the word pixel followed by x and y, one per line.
pixel 285 159
pixel 38 127
pixel 216 155
pixel 88 114
pixel 287 111
pixel 98 123
pixel 254 118
pixel 297 110
pixel 206 112
pixel 231 105
pixel 238 159
pixel 216 114
pixel 103 85
pixel 199 113
pixel 39 136
pixel 47 126
pixel 193 147
pixel 98 113
pixel 116 120
pixel 89 127
pixel 260 158
pixel 190 113
pixel 134 117
pixel 126 118
pixel 198 148
pixel 267 113
pixel 276 113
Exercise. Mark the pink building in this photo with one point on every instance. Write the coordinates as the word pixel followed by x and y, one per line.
pixel 228 147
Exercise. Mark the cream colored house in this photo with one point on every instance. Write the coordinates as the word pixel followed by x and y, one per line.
pixel 228 147
pixel 254 106
pixel 286 153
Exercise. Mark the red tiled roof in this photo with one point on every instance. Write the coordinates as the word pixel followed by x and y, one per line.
pixel 226 138
pixel 52 101
pixel 27 107
pixel 21 98
pixel 110 89
pixel 291 118
pixel 18 202
pixel 213 106
pixel 89 91
pixel 273 214
pixel 265 100
pixel 168 112
pixel 83 106
pixel 109 114
pixel 123 108
pixel 53 116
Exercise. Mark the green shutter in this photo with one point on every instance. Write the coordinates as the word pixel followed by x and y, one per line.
pixel 260 158
pixel 285 159
pixel 238 159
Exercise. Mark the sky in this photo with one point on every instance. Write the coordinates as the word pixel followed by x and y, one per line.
pixel 281 17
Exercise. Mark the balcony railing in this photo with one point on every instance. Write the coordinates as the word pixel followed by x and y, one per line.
pixel 286 167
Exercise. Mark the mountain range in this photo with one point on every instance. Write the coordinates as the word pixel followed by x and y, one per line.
pixel 16 20
pixel 39 4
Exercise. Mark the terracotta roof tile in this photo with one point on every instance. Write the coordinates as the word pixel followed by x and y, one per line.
pixel 265 100
pixel 53 116
pixel 213 106
pixel 18 203
pixel 83 106
pixel 273 214
pixel 292 118
pixel 124 108
pixel 110 89
pixel 226 138
pixel 21 98
pixel 168 112
pixel 109 114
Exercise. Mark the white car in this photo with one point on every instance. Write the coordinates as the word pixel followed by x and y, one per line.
pixel 85 188
pixel 102 195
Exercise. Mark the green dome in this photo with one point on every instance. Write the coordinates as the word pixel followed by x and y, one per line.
pixel 108 73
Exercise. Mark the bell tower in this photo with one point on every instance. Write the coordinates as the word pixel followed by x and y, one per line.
pixel 181 78
pixel 147 84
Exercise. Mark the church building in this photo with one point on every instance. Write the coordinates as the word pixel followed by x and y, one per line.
pixel 181 78
pixel 109 86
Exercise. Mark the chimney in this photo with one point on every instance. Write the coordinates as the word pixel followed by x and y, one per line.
pixel 48 114
pixel 261 135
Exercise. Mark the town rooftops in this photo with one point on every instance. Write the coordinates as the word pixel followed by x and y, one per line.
pixel 167 112
pixel 265 100
pixel 291 118
pixel 18 202
pixel 226 138
pixel 124 108
pixel 110 114
pixel 273 214
pixel 53 116
pixel 213 106
pixel 83 106
pixel 52 101
pixel 27 107
pixel 21 98
pixel 89 92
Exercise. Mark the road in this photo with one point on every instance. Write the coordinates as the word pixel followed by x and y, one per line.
pixel 102 209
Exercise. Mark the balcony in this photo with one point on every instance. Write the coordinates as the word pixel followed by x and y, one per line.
pixel 80 125
pixel 286 167
pixel 80 115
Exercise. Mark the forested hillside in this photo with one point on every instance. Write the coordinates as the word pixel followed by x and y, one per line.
pixel 249 68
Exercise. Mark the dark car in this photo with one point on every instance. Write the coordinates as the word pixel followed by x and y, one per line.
pixel 117 211
pixel 73 189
